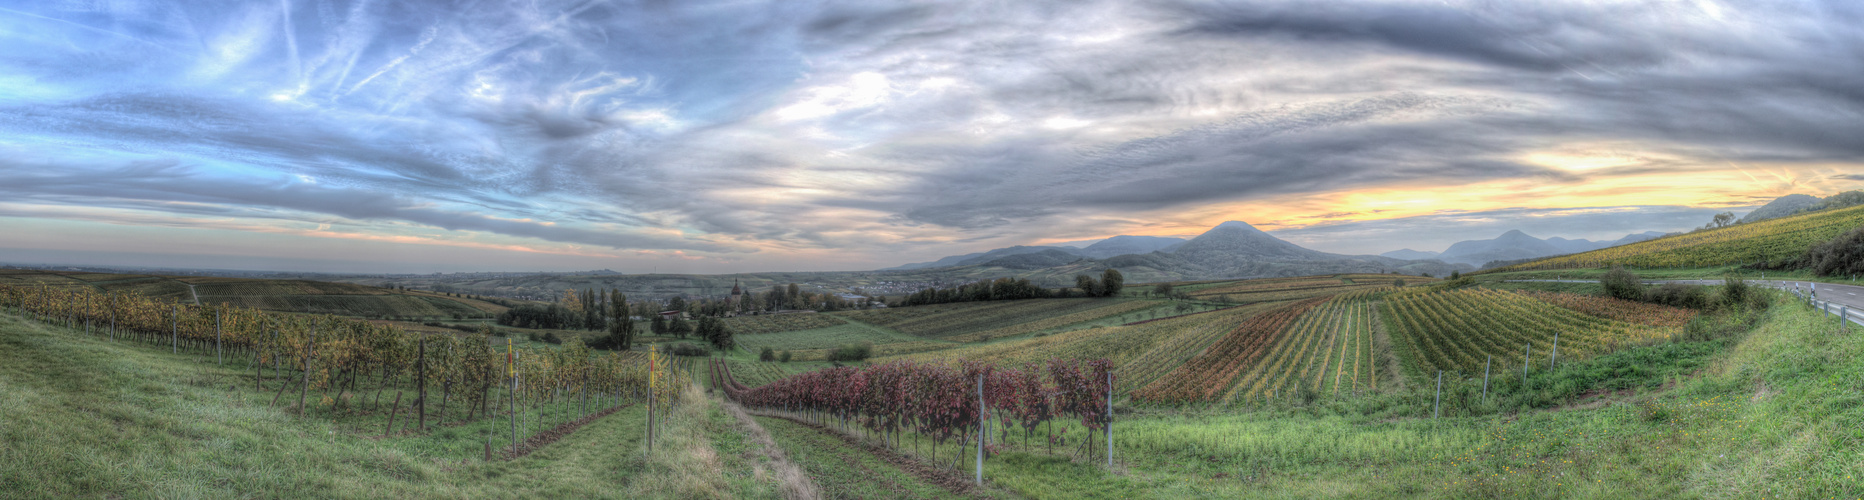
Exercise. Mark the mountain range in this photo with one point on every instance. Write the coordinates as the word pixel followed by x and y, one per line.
pixel 1515 245
pixel 1232 249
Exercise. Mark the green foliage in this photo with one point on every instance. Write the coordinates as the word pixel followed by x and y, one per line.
pixel 1398 282
pixel 1680 295
pixel 1842 256
pixel 1111 282
pixel 1089 286
pixel 766 355
pixel 784 356
pixel 1622 284
pixel 852 352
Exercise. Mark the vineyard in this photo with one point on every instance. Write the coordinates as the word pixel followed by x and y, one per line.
pixel 773 323
pixel 939 403
pixel 1328 351
pixel 1458 330
pixel 1770 240
pixel 298 296
pixel 1205 376
pixel 825 338
pixel 1617 309
pixel 1117 309
pixel 1253 291
pixel 1188 336
pixel 353 367
pixel 1117 344
pixel 941 321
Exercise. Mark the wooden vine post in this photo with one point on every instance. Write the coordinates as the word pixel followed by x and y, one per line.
pixel 511 372
pixel 980 429
pixel 1109 431
pixel 218 357
pixel 653 365
pixel 420 368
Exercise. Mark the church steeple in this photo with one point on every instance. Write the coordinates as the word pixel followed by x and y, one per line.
pixel 735 289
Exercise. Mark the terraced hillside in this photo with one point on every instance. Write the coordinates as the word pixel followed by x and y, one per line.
pixel 1769 240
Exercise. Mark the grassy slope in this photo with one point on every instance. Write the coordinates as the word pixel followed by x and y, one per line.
pixel 86 417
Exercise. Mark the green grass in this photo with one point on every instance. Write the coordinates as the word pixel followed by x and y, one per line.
pixel 842 470
pixel 84 417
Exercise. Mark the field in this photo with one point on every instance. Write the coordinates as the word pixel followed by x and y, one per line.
pixel 1328 350
pixel 772 323
pixel 825 338
pixel 941 321
pixel 1769 240
pixel 1642 438
pixel 1279 289
pixel 300 296
pixel 1462 330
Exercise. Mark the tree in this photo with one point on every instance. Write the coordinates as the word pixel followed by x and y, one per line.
pixel 1456 275
pixel 1398 282
pixel 657 324
pixel 1112 282
pixel 679 327
pixel 1622 284
pixel 766 355
pixel 621 323
pixel 713 330
pixel 1162 289
pixel 1723 219
pixel 1088 285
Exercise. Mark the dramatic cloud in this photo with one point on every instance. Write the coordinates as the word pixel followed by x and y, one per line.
pixel 725 136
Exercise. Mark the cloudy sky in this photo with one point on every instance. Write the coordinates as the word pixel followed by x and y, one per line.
pixel 704 136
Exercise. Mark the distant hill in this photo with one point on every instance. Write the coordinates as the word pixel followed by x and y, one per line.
pixel 1515 246
pixel 1795 204
pixel 1409 254
pixel 1127 245
pixel 1046 258
pixel 972 259
pixel 1232 249
pixel 1782 207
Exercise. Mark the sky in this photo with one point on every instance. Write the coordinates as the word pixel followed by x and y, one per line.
pixel 736 136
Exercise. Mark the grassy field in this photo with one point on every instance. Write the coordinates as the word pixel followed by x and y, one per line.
pixel 1763 404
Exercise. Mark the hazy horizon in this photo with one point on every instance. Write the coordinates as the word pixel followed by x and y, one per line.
pixel 721 137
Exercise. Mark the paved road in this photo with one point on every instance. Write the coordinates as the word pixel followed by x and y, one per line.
pixel 1834 298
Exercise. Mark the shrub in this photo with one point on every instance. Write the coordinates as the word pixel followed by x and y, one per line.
pixel 766 355
pixel 1680 295
pixel 1735 292
pixel 784 357
pixel 1622 284
pixel 1842 256
pixel 1398 283
pixel 852 352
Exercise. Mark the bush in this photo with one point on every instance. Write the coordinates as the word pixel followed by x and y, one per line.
pixel 687 349
pixel 1735 292
pixel 852 352
pixel 1680 295
pixel 1623 284
pixel 1398 283
pixel 784 357
pixel 1842 256
pixel 766 355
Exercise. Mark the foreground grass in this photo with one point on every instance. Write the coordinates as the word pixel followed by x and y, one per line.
pixel 1768 411
pixel 84 417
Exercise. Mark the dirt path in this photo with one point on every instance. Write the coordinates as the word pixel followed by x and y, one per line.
pixel 953 482
pixel 796 484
